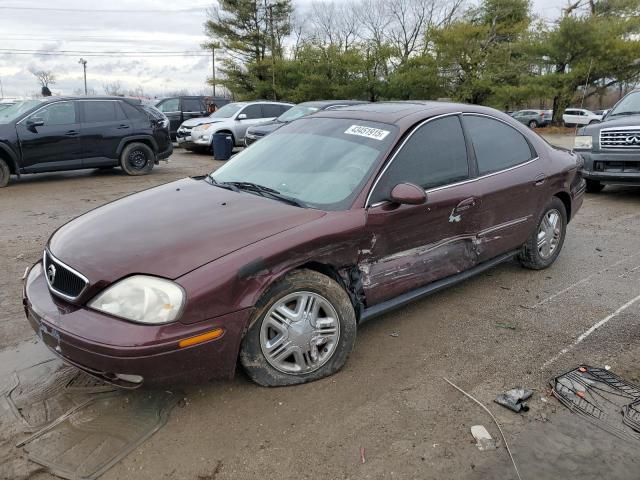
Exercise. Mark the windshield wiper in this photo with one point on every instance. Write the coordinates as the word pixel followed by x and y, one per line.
pixel 259 189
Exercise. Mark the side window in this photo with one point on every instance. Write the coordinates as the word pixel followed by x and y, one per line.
pixel 570 112
pixel 284 108
pixel 131 111
pixel 99 111
pixel 433 156
pixel 252 112
pixel 496 144
pixel 169 105
pixel 59 113
pixel 191 105
pixel 271 110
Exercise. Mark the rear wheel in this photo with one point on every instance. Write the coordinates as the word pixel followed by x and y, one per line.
pixel 594 186
pixel 544 245
pixel 303 329
pixel 137 159
pixel 5 173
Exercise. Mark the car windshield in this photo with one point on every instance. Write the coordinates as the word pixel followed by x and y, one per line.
pixel 296 112
pixel 11 113
pixel 629 105
pixel 228 111
pixel 322 163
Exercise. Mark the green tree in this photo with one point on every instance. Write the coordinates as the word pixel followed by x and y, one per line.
pixel 593 47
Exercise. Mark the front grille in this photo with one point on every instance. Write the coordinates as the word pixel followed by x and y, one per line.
pixel 616 167
pixel 62 279
pixel 620 138
pixel 184 132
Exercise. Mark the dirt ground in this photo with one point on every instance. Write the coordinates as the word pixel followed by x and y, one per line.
pixel 390 401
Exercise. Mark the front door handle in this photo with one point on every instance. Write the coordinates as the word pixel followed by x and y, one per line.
pixel 466 204
pixel 123 126
pixel 540 179
pixel 72 133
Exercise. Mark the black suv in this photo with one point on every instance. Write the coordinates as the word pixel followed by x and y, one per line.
pixel 179 109
pixel 69 133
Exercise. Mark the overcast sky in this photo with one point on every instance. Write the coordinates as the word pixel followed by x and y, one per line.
pixel 141 26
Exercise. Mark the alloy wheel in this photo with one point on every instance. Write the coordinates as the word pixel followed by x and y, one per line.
pixel 549 233
pixel 300 333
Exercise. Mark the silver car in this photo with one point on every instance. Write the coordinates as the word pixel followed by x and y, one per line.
pixel 234 118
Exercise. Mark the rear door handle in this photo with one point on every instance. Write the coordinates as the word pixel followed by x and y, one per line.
pixel 123 126
pixel 466 204
pixel 72 133
pixel 540 179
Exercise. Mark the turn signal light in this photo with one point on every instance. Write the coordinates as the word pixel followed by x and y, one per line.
pixel 213 334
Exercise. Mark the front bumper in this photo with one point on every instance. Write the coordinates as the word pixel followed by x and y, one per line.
pixel 104 346
pixel 611 167
pixel 249 139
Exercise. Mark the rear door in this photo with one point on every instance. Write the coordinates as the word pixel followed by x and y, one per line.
pixel 171 108
pixel 511 186
pixel 193 108
pixel 55 145
pixel 103 126
pixel 413 245
pixel 571 116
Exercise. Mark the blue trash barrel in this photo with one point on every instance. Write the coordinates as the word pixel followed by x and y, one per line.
pixel 222 146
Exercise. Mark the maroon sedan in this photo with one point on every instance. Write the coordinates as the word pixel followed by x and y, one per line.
pixel 275 258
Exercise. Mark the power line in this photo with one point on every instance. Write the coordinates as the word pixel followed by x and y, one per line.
pixel 52 54
pixel 86 10
pixel 119 52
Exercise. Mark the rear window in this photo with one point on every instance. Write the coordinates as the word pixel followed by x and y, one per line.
pixel 497 145
pixel 192 105
pixel 102 111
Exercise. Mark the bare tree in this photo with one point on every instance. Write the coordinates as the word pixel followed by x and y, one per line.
pixel 113 88
pixel 45 77
pixel 335 24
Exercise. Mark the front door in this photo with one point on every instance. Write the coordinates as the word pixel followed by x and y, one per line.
pixel 50 138
pixel 193 108
pixel 249 115
pixel 103 126
pixel 511 185
pixel 413 245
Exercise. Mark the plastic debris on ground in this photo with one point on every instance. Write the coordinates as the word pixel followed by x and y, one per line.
pixel 484 441
pixel 514 399
pixel 603 398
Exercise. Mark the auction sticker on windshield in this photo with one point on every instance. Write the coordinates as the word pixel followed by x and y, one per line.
pixel 368 132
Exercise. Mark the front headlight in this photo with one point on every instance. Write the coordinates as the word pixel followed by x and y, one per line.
pixel 583 142
pixel 141 299
pixel 202 128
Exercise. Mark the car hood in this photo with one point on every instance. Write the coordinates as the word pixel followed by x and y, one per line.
pixel 170 230
pixel 194 122
pixel 622 121
pixel 265 128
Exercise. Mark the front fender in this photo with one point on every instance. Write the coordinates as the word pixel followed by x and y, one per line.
pixel 238 280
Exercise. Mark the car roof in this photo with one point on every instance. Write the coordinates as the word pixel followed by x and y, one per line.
pixel 104 97
pixel 330 103
pixel 405 114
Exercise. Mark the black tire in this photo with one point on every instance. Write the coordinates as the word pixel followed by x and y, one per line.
pixel 252 357
pixel 5 173
pixel 533 124
pixel 594 186
pixel 530 256
pixel 137 159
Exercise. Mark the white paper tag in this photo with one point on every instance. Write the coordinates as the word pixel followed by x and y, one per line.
pixel 368 132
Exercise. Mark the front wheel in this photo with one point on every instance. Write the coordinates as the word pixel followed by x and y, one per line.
pixel 304 329
pixel 533 124
pixel 544 245
pixel 137 159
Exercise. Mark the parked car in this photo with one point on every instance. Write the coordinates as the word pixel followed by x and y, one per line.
pixel 6 104
pixel 261 130
pixel 275 258
pixel 179 109
pixel 533 118
pixel 233 118
pixel 579 116
pixel 69 133
pixel 611 149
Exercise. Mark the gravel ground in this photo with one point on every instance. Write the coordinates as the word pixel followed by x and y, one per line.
pixel 391 399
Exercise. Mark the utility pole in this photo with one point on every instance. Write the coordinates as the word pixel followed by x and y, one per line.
pixel 273 55
pixel 213 69
pixel 83 62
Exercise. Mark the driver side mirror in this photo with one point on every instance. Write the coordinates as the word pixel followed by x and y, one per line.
pixel 242 116
pixel 408 194
pixel 35 122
